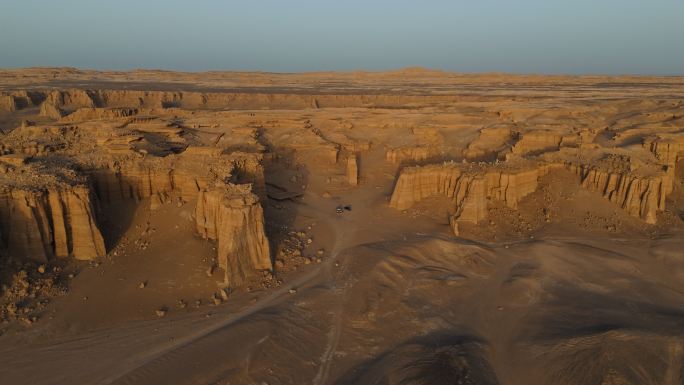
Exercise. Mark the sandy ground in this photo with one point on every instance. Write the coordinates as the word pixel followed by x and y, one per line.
pixel 590 296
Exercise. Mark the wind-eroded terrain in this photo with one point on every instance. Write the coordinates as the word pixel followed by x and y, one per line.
pixel 408 227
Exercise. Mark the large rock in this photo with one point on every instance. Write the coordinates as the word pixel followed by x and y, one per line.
pixel 352 170
pixel 232 215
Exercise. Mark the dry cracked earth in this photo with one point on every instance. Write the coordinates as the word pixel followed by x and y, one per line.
pixel 408 227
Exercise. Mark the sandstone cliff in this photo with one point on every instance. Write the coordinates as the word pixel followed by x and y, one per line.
pixel 7 103
pixel 55 222
pixel 537 141
pixel 411 153
pixel 640 196
pixel 352 170
pixel 488 144
pixel 72 99
pixel 470 188
pixel 83 114
pixel 668 148
pixel 226 188
pixel 232 215
pixel 69 100
pixel 50 110
pixel 17 100
pixel 185 174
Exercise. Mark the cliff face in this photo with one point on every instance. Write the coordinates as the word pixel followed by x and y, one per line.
pixel 131 182
pixel 58 103
pixel 7 103
pixel 185 174
pixel 55 222
pixel 640 196
pixel 41 221
pixel 352 170
pixel 470 189
pixel 413 153
pixel 230 214
pixel 82 114
pixel 73 99
pixel 667 148
pixel 233 217
pixel 17 100
pixel 248 168
pixel 417 183
pixel 537 141
pixel 488 144
pixel 50 110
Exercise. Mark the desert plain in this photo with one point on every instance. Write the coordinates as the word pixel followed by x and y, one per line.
pixel 403 227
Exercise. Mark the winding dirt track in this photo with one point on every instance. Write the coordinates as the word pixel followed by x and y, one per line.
pixel 129 354
pixel 323 272
pixel 153 351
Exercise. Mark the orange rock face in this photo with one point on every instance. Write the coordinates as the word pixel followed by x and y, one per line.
pixel 352 171
pixel 56 222
pixel 470 189
pixel 642 196
pixel 233 217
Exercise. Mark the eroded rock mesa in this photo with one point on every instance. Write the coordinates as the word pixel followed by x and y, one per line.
pixel 640 196
pixel 472 187
pixel 469 186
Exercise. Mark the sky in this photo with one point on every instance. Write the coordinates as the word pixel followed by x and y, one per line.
pixel 514 36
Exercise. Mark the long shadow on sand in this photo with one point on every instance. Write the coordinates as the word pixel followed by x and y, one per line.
pixel 584 337
pixel 437 358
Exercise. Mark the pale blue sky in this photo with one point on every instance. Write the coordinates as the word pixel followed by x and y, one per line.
pixel 529 36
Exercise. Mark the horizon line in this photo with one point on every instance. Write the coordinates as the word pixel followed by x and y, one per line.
pixel 414 69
